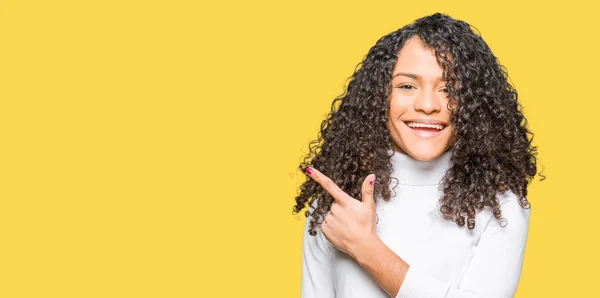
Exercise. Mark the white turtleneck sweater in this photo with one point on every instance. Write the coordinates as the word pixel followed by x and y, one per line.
pixel 445 260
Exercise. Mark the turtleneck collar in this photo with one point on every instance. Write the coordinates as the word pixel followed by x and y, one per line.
pixel 410 171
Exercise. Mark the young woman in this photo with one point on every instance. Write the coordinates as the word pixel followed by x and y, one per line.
pixel 417 182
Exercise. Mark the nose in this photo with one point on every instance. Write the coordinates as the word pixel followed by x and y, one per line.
pixel 427 102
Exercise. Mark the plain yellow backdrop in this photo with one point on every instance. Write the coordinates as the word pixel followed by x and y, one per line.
pixel 150 148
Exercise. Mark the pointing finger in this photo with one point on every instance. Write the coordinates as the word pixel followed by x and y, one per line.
pixel 337 193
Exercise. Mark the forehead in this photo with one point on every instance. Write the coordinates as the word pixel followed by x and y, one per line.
pixel 416 58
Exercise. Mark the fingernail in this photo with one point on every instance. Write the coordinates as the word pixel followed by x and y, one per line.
pixel 308 171
pixel 371 182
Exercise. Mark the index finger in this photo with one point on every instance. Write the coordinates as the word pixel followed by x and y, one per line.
pixel 337 193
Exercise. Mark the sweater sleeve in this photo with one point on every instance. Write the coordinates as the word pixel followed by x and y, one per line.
pixel 494 269
pixel 317 279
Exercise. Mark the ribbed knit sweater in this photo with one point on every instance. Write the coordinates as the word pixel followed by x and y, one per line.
pixel 445 260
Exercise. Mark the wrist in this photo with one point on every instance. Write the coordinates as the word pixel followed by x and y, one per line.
pixel 364 248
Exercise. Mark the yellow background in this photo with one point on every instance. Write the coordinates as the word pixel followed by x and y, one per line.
pixel 149 148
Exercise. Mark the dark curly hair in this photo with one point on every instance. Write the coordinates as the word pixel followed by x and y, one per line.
pixel 492 148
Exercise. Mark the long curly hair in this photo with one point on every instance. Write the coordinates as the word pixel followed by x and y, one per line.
pixel 492 148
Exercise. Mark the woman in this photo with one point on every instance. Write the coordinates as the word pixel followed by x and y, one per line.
pixel 417 182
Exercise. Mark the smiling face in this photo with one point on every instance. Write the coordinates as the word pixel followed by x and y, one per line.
pixel 419 118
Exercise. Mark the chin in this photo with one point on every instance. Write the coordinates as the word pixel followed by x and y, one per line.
pixel 425 151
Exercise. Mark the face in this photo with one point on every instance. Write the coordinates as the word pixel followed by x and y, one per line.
pixel 419 118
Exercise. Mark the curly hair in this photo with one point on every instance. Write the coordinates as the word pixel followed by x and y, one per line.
pixel 492 150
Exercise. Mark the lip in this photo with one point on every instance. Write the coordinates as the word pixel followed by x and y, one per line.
pixel 427 121
pixel 423 133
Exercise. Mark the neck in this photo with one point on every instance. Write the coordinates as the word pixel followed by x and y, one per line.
pixel 410 171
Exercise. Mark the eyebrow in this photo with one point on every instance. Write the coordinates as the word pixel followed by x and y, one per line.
pixel 413 76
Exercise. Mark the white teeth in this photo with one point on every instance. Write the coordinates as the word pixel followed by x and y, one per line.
pixel 416 124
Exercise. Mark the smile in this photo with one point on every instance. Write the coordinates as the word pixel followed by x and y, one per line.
pixel 425 130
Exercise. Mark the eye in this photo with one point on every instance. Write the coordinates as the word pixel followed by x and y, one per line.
pixel 406 87
pixel 445 90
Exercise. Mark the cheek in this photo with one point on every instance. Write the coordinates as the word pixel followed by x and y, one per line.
pixel 451 136
pixel 397 107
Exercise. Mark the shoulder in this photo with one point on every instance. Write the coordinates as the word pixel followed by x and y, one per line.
pixel 320 238
pixel 507 197
pixel 515 219
pixel 510 203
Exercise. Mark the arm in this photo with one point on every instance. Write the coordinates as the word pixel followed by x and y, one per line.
pixel 316 266
pixel 387 268
pixel 494 270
